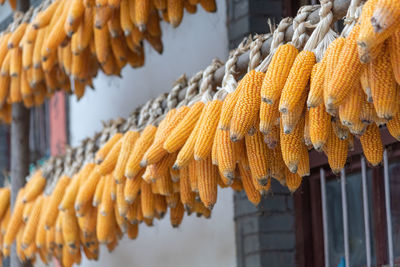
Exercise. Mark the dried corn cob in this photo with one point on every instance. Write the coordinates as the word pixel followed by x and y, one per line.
pixel 372 145
pixel 128 143
pixel 175 12
pixel 315 96
pixel 54 201
pixel 336 150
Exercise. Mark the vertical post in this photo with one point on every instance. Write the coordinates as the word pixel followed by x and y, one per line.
pixel 388 208
pixel 324 216
pixel 345 217
pixel 19 148
pixel 366 211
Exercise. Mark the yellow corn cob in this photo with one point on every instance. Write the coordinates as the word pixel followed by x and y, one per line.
pixel 253 195
pixel 104 227
pixel 128 143
pixel 4 88
pixel 214 149
pixel 186 154
pixel 176 215
pixel 75 13
pixel 229 105
pixel 102 44
pixel 272 138
pixel 307 137
pixel 106 205
pixel 315 96
pixel 122 205
pixel 393 47
pixel 340 130
pixel 304 164
pixel 156 151
pixel 20 251
pixel 394 126
pixel 15 221
pixel 182 131
pixel 292 146
pixel 27 55
pixel 186 193
pixel 209 5
pixel 160 205
pixel 277 73
pixel 336 150
pixel 293 181
pixel 247 107
pixel 5 67
pixel 54 201
pixel 31 227
pixel 132 188
pixel 175 12
pixel 43 18
pixel 50 240
pixel 375 26
pixel 277 163
pixel 30 34
pixel 225 154
pixel 164 185
pixel 259 157
pixel 70 229
pixel 4 223
pixel 175 174
pixel 383 86
pixel 98 193
pixel 365 82
pixel 17 35
pixel 108 165
pixel 132 231
pixel 27 211
pixel 102 16
pixel 350 110
pixel 320 123
pixel 206 130
pixel 290 119
pixel 40 237
pixel 345 74
pixel 237 185
pixel 160 4
pixel 142 12
pixel 34 186
pixel 5 194
pixel 87 189
pixel 207 177
pixel 297 81
pixel 85 30
pixel 269 115
pixel 368 114
pixel 147 200
pixel 172 200
pixel 126 22
pixel 72 189
pixel 57 34
pixel 103 152
pixel 372 145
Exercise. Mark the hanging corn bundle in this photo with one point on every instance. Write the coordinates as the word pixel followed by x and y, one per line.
pixel 174 152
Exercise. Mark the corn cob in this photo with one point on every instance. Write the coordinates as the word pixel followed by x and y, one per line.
pixel 336 150
pixel 247 107
pixel 160 4
pixel 207 176
pixel 320 123
pixel 121 204
pixel 293 181
pixel 132 231
pixel 175 12
pixel 17 35
pixel 43 18
pixel 103 152
pixel 191 9
pixel 108 165
pixel 372 145
pixel 186 194
pixel 132 188
pixel 70 228
pixel 365 82
pixel 292 146
pixel 104 226
pixel 253 195
pixel 15 221
pixel 27 211
pixel 384 16
pixel 182 131
pixel 106 205
pixel 290 119
pixel 394 126
pixel 259 157
pixel 307 137
pixel 102 44
pixel 229 105
pixel 5 194
pixel 225 154
pixel 32 223
pixel 128 143
pixel 147 200
pixel 98 193
pixel 15 62
pixel 209 5
pixel 142 13
pixel 176 215
pixel 392 45
pixel 87 189
pixel 164 185
pixel 269 116
pixel 156 150
pixel 296 82
pixel 34 187
pixel 350 110
pixel 315 96
pixel 383 87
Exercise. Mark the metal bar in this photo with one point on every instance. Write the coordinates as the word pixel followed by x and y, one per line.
pixel 366 211
pixel 324 216
pixel 345 218
pixel 388 208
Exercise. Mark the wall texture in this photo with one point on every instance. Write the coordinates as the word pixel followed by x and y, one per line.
pixel 187 49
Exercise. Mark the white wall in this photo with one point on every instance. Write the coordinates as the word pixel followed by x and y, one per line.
pixel 187 49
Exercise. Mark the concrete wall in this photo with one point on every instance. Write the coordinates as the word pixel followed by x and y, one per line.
pixel 187 49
